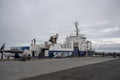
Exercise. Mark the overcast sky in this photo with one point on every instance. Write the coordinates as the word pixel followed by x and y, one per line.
pixel 23 20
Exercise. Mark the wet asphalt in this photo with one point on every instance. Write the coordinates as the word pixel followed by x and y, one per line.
pixel 109 70
pixel 16 70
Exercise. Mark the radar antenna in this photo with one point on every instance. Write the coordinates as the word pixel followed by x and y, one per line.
pixel 76 26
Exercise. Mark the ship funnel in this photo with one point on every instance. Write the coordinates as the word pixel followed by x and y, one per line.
pixel 33 41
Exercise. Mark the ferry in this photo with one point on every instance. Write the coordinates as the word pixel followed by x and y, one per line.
pixel 74 46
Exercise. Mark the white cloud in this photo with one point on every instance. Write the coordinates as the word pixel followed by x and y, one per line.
pixel 23 20
pixel 111 29
pixel 106 41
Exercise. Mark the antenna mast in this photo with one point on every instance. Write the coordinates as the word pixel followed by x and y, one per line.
pixel 76 26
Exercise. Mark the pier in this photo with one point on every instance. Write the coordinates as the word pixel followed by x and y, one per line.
pixel 15 70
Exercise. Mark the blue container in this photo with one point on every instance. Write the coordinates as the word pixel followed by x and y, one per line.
pixel 25 48
pixel 51 54
pixel 76 52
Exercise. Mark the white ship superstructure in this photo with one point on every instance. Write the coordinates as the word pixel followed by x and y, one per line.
pixel 78 41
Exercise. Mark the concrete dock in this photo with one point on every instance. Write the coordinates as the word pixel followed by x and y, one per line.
pixel 15 70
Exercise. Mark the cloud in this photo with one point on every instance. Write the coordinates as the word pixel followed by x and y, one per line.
pixel 111 30
pixel 23 20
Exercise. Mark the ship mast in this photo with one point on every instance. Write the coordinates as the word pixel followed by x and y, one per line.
pixel 76 26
